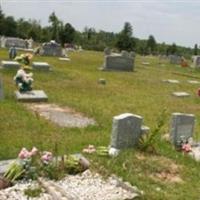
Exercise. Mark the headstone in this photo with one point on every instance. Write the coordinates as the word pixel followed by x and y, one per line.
pixel 180 94
pixel 196 62
pixel 182 127
pixel 12 41
pixel 107 51
pixel 119 62
pixel 126 130
pixel 32 96
pixel 10 64
pixel 102 81
pixel 125 54
pixel 51 49
pixel 171 81
pixel 41 66
pixel 193 82
pixel 174 59
pixel 64 59
pixel 145 63
pixel 1 90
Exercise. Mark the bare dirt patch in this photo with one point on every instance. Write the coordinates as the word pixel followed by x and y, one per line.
pixel 163 169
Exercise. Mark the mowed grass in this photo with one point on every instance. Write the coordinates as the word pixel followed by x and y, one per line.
pixel 75 84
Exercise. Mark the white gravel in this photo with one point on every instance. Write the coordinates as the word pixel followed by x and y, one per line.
pixel 86 186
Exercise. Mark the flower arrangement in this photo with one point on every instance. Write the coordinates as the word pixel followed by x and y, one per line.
pixel 29 165
pixel 33 164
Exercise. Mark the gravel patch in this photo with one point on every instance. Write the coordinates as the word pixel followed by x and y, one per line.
pixel 85 186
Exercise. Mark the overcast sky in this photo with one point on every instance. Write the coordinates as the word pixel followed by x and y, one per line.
pixel 167 20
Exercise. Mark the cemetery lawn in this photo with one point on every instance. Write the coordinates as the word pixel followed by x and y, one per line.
pixel 166 175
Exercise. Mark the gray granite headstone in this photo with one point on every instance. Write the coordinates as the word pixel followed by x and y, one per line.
pixel 10 64
pixel 196 62
pixel 32 96
pixel 182 127
pixel 41 66
pixel 107 51
pixel 125 54
pixel 51 49
pixel 118 62
pixel 1 90
pixel 126 130
pixel 175 59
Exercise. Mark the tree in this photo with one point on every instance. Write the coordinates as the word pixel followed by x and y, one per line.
pixel 195 49
pixel 67 34
pixel 10 27
pixel 55 25
pixel 125 41
pixel 151 44
pixel 1 21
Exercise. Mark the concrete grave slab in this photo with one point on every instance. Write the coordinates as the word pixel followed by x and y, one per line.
pixel 64 59
pixel 180 94
pixel 193 82
pixel 64 117
pixel 171 81
pixel 32 96
pixel 182 127
pixel 10 64
pixel 41 66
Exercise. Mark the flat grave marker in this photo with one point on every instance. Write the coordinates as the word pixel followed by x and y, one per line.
pixel 32 96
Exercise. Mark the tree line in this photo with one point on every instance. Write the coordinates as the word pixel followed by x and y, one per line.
pixel 89 38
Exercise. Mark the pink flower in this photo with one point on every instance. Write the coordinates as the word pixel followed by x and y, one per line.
pixel 186 148
pixel 46 157
pixel 24 153
pixel 34 151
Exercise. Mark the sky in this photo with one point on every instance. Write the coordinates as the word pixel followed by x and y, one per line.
pixel 169 21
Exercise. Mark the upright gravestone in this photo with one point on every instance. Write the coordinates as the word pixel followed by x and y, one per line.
pixel 1 90
pixel 51 49
pixel 182 127
pixel 126 130
pixel 119 62
pixel 175 59
pixel 196 62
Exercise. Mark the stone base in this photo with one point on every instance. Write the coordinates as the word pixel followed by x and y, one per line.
pixel 180 94
pixel 10 64
pixel 41 66
pixel 32 96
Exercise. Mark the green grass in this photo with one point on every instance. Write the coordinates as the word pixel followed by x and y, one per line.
pixel 75 84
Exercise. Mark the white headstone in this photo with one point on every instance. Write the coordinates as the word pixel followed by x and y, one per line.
pixel 10 64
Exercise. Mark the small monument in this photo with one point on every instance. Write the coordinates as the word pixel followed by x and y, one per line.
pixel 126 131
pixel 119 62
pixel 24 81
pixel 175 59
pixel 51 49
pixel 182 127
pixel 196 62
